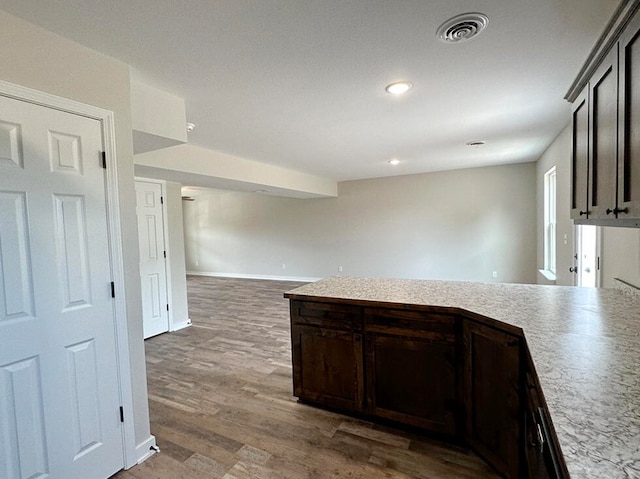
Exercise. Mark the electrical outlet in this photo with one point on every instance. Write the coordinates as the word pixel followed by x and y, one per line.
pixel 495 274
pixel 340 269
pixel 284 266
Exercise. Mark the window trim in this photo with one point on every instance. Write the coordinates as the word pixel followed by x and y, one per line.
pixel 550 224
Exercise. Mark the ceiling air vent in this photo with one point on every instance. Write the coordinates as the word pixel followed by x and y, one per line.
pixel 462 27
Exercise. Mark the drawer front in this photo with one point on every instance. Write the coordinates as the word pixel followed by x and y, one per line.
pixel 417 324
pixel 326 315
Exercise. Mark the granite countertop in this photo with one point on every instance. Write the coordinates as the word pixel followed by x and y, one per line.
pixel 585 343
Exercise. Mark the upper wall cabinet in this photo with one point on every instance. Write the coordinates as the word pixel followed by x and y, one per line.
pixel 605 188
pixel 629 123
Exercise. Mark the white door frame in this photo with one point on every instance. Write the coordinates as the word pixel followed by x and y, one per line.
pixel 167 247
pixel 106 119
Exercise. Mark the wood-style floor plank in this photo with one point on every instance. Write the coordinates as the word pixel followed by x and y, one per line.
pixel 221 403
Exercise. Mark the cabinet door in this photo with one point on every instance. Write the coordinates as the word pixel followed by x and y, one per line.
pixel 541 457
pixel 327 367
pixel 603 157
pixel 492 383
pixel 537 465
pixel 412 381
pixel 542 453
pixel 580 157
pixel 629 127
pixel 533 453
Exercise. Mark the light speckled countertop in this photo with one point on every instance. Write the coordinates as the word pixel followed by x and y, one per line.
pixel 585 344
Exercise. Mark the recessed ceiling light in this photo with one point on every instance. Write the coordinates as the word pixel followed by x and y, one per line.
pixel 394 161
pixel 191 127
pixel 476 143
pixel 399 87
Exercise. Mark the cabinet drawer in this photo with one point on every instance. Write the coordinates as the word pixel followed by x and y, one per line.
pixel 334 316
pixel 417 324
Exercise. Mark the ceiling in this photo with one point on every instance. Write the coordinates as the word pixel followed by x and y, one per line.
pixel 300 83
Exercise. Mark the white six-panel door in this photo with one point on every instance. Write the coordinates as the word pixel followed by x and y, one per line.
pixel 153 273
pixel 59 390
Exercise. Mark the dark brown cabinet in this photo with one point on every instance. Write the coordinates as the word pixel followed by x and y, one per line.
pixel 541 453
pixel 595 145
pixel 327 355
pixel 629 122
pixel 411 372
pixel 492 385
pixel 603 148
pixel 533 452
pixel 330 368
pixel 606 140
pixel 464 377
pixel 580 157
pixel 539 459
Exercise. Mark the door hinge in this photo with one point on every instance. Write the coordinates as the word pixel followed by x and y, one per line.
pixel 598 263
pixel 167 307
pixel 121 414
pixel 162 200
pixel 113 289
pixel 104 159
pixel 165 254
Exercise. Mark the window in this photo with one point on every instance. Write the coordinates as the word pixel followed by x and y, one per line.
pixel 550 221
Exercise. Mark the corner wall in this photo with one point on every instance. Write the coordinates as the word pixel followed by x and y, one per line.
pixel 455 225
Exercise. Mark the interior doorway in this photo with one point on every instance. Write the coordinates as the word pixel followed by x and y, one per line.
pixel 153 256
pixel 587 256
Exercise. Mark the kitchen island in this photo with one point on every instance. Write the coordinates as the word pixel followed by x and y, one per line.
pixel 540 380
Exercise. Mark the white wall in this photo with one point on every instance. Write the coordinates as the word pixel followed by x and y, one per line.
pixel 558 154
pixel 158 118
pixel 620 256
pixel 458 225
pixel 33 57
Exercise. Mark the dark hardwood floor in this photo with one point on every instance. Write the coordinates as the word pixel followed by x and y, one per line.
pixel 221 403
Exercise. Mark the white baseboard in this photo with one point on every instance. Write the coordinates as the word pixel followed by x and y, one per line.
pixel 181 325
pixel 146 449
pixel 255 276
